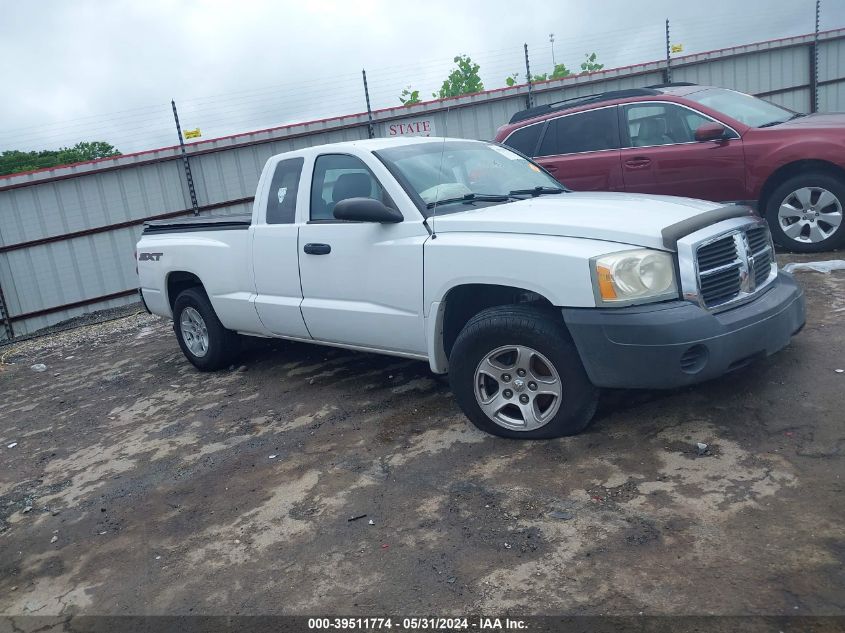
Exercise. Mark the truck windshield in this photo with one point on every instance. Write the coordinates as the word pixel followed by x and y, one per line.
pixel 459 174
pixel 742 107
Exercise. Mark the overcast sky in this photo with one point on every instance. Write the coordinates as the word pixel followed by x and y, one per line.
pixel 106 70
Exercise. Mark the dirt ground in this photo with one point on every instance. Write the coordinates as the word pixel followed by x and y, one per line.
pixel 140 486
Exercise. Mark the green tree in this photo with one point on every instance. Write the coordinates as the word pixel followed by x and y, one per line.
pixel 14 161
pixel 463 80
pixel 590 64
pixel 409 97
pixel 560 71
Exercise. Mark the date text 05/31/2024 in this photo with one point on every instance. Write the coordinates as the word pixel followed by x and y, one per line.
pixel 415 624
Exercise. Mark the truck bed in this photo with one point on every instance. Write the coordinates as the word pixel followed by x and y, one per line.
pixel 208 223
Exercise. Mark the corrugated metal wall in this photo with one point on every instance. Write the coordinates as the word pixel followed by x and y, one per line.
pixel 831 71
pixel 67 235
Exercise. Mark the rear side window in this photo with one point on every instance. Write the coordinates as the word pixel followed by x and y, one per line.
pixel 525 140
pixel 338 177
pixel 281 203
pixel 582 132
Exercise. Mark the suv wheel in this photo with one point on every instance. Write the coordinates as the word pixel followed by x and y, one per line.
pixel 805 213
pixel 516 373
pixel 203 339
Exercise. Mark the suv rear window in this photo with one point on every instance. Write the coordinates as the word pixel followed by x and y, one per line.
pixel 581 132
pixel 525 139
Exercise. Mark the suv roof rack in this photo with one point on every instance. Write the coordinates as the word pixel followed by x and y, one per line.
pixel 673 84
pixel 573 102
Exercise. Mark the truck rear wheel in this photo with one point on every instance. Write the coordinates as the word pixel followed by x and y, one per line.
pixel 203 339
pixel 515 373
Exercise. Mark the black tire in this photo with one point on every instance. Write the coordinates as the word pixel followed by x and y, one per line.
pixel 540 330
pixel 222 343
pixel 819 180
pixel 442 379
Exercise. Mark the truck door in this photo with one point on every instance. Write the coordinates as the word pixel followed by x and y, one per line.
pixel 362 282
pixel 274 253
pixel 661 155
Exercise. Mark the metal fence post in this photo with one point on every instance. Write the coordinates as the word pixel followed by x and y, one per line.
pixel 4 316
pixel 188 176
pixel 814 64
pixel 529 98
pixel 667 74
pixel 371 132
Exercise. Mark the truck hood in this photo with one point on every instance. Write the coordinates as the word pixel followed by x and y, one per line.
pixel 628 218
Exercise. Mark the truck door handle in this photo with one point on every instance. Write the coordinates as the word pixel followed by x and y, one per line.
pixel 317 249
pixel 549 168
pixel 638 162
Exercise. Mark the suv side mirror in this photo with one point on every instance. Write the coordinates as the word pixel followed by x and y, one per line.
pixel 711 132
pixel 366 210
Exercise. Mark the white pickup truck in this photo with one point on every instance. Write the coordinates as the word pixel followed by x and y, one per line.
pixel 471 257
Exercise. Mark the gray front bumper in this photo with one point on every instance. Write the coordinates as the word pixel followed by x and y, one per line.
pixel 678 343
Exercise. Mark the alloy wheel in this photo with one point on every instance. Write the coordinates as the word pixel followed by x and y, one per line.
pixel 810 214
pixel 518 388
pixel 194 331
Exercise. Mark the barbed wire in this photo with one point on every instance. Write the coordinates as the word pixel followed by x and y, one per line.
pixel 142 127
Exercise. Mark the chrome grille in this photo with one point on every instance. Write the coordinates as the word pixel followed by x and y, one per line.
pixel 734 265
pixel 716 254
pixel 720 287
pixel 758 239
pixel 719 272
pixel 762 267
pixel 761 255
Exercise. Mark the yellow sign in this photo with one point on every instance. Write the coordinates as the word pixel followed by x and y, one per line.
pixel 193 133
pixel 677 48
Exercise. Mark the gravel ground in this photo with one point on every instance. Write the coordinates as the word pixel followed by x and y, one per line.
pixel 90 318
pixel 132 484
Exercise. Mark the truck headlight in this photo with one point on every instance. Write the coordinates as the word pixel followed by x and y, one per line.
pixel 636 276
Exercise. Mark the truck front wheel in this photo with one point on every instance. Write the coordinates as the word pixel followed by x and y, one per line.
pixel 203 339
pixel 515 372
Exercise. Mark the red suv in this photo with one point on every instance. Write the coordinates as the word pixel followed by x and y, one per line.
pixel 698 142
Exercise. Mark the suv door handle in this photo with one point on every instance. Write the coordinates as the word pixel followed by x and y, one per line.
pixel 638 162
pixel 317 249
pixel 549 168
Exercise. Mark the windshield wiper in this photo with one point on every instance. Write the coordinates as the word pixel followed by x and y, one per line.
pixel 536 191
pixel 470 198
pixel 797 115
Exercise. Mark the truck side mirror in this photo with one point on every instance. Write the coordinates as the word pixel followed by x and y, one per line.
pixel 711 131
pixel 366 210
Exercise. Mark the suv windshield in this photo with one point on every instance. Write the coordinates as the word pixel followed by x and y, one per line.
pixel 457 174
pixel 742 107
